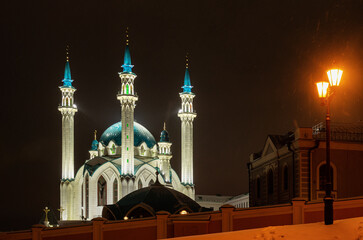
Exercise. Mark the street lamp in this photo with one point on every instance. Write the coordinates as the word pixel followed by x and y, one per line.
pixel 326 90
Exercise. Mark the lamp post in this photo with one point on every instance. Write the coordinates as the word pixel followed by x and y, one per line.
pixel 326 90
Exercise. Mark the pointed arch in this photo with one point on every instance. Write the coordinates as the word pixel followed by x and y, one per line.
pixel 101 191
pixel 140 210
pixel 321 173
pixel 151 182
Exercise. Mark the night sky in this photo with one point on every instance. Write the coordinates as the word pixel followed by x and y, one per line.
pixel 253 65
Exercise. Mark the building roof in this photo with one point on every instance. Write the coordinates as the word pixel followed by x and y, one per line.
pixel 141 134
pixel 164 136
pixel 187 88
pixel 148 201
pixel 67 81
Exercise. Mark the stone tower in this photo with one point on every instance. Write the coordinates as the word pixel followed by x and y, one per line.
pixel 128 98
pixel 165 155
pixel 187 115
pixel 68 110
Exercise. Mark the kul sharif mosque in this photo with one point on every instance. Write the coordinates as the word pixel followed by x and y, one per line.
pixel 126 157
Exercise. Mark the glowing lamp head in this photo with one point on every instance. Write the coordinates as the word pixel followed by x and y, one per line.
pixel 183 212
pixel 126 218
pixel 322 89
pixel 334 76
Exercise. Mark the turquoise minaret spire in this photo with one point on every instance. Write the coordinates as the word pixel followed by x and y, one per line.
pixel 187 85
pixel 127 66
pixel 67 81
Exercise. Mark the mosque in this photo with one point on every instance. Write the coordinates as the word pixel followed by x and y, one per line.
pixel 126 157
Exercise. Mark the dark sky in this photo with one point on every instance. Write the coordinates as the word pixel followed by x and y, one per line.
pixel 253 65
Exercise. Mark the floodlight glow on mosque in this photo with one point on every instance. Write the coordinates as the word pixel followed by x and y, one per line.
pixel 126 157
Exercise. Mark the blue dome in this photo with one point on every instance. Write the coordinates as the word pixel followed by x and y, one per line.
pixel 164 136
pixel 141 134
pixel 94 145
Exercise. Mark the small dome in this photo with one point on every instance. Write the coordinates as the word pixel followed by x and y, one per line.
pixel 94 146
pixel 141 134
pixel 146 202
pixel 164 136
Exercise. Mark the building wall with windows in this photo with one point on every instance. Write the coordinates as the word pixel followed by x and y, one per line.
pixel 293 165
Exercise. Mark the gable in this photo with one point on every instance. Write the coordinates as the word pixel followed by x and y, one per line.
pixel 269 148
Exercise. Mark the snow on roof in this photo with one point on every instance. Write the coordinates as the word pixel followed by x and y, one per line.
pixel 347 229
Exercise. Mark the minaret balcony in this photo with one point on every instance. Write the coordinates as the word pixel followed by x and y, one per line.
pixel 187 115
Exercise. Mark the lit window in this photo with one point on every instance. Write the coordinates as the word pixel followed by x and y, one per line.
pixel 113 149
pixel 183 212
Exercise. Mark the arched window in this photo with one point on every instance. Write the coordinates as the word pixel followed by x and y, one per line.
pixel 115 191
pixel 113 149
pixel 102 191
pixel 258 187
pixel 270 182
pixel 323 178
pixel 142 150
pixel 87 196
pixel 127 89
pixel 131 92
pixel 151 182
pixel 286 178
pixel 139 184
pixel 191 108
pixel 67 101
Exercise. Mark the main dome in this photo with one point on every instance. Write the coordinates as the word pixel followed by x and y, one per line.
pixel 141 134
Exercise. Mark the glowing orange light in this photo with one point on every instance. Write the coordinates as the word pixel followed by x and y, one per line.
pixel 322 89
pixel 334 76
pixel 183 212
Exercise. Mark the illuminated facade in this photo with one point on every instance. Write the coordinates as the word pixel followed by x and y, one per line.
pixel 187 115
pixel 126 156
pixel 68 110
pixel 293 165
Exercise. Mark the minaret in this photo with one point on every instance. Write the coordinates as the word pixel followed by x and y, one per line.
pixel 165 155
pixel 128 98
pixel 67 109
pixel 187 115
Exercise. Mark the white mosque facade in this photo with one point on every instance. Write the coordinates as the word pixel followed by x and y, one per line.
pixel 126 157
